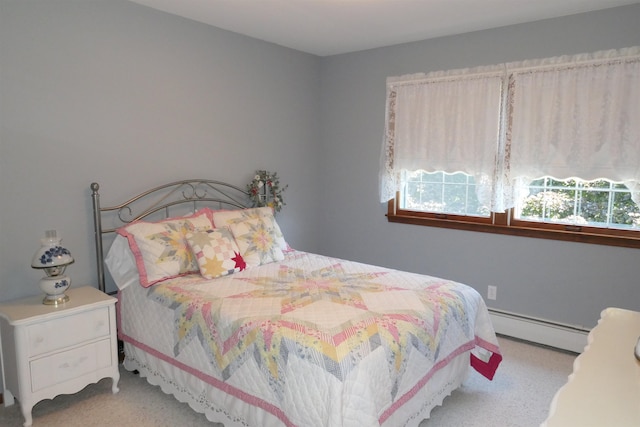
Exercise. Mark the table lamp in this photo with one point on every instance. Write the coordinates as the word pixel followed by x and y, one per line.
pixel 53 259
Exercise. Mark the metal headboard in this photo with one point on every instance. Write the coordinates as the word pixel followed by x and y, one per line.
pixel 193 193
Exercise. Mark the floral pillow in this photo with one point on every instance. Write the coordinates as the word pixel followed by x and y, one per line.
pixel 257 241
pixel 160 248
pixel 229 217
pixel 216 252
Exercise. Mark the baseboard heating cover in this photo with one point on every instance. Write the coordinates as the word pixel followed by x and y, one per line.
pixel 540 331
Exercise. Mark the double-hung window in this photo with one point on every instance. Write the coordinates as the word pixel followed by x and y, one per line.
pixel 544 148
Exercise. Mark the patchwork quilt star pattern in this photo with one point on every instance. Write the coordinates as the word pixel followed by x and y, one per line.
pixel 329 316
pixel 172 238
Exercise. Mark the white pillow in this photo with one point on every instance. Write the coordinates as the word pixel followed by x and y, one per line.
pixel 121 263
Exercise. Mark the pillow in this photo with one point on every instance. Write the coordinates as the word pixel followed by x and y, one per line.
pixel 256 239
pixel 216 252
pixel 160 248
pixel 226 218
pixel 121 263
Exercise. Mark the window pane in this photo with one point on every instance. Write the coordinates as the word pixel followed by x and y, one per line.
pixel 456 178
pixel 433 177
pixel 455 196
pixel 546 205
pixel 626 214
pixel 593 207
pixel 441 192
pixel 599 203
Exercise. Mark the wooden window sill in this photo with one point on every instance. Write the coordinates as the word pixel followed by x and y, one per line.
pixel 518 230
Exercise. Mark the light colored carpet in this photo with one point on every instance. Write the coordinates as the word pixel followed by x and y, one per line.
pixel 518 396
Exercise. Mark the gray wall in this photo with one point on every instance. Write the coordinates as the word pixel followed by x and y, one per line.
pixel 113 92
pixel 561 281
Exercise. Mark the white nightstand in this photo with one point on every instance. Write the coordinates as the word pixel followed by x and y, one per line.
pixel 49 350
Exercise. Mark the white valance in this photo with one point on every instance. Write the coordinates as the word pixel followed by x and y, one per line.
pixel 570 116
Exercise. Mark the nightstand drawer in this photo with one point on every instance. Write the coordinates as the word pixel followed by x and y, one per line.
pixel 67 331
pixel 67 365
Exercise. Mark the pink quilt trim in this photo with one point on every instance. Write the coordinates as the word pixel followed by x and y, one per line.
pixel 411 393
pixel 220 385
pixel 487 369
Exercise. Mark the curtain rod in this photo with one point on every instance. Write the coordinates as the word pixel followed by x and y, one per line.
pixel 506 69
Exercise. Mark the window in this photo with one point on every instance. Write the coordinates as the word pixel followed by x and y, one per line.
pixel 443 193
pixel 599 211
pixel 476 149
pixel 600 203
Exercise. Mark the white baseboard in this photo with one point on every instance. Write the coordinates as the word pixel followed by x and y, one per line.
pixel 540 331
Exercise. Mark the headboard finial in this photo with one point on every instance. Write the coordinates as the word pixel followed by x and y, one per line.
pixel 95 187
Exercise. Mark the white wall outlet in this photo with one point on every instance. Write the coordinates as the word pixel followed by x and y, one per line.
pixel 492 292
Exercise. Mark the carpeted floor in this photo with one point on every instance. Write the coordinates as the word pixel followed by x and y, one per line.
pixel 519 396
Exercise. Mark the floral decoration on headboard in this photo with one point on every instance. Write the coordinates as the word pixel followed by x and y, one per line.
pixel 265 190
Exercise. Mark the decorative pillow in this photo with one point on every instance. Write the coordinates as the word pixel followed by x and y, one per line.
pixel 216 251
pixel 257 241
pixel 160 248
pixel 226 218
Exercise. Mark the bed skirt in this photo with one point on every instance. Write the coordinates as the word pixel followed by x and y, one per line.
pixel 206 399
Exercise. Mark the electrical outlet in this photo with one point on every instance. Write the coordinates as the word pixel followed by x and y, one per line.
pixel 492 292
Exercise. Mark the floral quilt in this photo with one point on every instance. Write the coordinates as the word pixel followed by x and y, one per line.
pixel 332 315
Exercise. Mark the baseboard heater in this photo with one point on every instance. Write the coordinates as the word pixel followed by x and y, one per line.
pixel 540 331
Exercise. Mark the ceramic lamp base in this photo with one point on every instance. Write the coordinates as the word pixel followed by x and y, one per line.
pixel 54 287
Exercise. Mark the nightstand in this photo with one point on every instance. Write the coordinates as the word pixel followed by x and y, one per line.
pixel 50 350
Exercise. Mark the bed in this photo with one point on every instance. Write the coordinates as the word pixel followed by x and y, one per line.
pixel 218 310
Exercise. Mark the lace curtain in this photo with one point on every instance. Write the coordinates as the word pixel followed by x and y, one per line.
pixel 577 117
pixel 442 121
pixel 508 124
